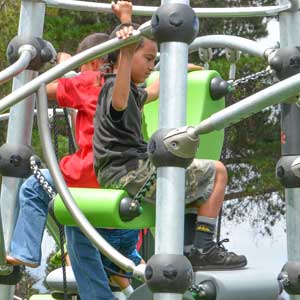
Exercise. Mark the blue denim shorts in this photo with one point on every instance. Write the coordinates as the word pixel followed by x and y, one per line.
pixel 124 241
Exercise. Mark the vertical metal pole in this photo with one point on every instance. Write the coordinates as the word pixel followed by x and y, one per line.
pixel 289 37
pixel 31 23
pixel 170 181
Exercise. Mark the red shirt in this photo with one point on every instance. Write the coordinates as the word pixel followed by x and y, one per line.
pixel 81 92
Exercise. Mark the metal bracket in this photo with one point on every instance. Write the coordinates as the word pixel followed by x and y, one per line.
pixel 29 48
pixel 181 142
pixel 6 270
pixel 205 55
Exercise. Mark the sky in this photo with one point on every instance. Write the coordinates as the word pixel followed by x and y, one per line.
pixel 261 251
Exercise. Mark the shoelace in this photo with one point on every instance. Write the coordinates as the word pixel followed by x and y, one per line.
pixel 220 244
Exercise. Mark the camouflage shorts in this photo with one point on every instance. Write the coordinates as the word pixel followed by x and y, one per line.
pixel 199 180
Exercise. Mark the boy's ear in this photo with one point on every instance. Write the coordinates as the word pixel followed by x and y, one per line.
pixel 96 64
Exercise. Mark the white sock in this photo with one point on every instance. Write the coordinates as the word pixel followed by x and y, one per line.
pixel 128 291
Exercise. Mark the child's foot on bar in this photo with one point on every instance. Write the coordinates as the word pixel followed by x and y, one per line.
pixel 16 262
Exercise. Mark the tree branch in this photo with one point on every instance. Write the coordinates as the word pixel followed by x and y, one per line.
pixel 238 195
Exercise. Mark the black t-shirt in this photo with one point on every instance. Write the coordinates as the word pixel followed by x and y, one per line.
pixel 118 141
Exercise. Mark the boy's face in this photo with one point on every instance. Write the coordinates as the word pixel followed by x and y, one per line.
pixel 143 61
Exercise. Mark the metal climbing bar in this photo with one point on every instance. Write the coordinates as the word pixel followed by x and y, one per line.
pixel 2 245
pixel 232 42
pixel 224 12
pixel 50 157
pixel 70 64
pixel 20 65
pixel 234 113
pixel 31 23
pixel 59 111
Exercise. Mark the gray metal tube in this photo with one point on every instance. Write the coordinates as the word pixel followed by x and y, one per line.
pixel 170 180
pixel 59 112
pixel 61 187
pixel 68 65
pixel 31 23
pixel 20 65
pixel 251 283
pixel 277 93
pixel 262 11
pixel 229 41
pixel 289 37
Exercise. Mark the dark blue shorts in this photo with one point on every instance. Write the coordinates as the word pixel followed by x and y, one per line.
pixel 124 241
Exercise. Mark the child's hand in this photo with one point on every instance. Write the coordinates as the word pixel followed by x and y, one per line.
pixel 123 34
pixel 123 10
pixel 192 67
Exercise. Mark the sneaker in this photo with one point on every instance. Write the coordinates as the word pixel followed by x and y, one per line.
pixel 216 258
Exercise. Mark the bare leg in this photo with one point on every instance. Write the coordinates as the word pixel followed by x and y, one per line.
pixel 212 206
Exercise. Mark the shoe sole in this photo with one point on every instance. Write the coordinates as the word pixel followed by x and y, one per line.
pixel 219 268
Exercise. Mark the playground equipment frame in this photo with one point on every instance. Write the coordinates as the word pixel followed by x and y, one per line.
pixel 170 180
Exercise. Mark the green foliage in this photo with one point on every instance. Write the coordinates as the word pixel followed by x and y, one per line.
pixel 65 29
pixel 251 150
pixel 10 10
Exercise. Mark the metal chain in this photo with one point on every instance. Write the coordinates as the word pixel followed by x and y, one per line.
pixel 140 195
pixel 251 77
pixel 46 186
pixel 72 147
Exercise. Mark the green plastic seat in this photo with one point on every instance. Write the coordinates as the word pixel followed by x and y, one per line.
pixel 101 206
pixel 200 106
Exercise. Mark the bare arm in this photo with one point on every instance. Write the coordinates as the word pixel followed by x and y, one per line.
pixel 123 10
pixel 152 91
pixel 193 67
pixel 121 87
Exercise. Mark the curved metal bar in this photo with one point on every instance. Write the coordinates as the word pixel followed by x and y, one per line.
pixel 70 64
pixel 59 111
pixel 234 113
pixel 262 11
pixel 61 187
pixel 238 12
pixel 229 41
pixel 19 66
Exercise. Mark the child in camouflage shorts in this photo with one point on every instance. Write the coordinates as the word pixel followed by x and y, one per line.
pixel 120 152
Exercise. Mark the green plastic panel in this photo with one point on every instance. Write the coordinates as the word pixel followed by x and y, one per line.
pixel 101 208
pixel 200 106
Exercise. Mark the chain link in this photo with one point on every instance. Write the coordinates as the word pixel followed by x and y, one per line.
pixel 41 178
pixel 140 195
pixel 251 77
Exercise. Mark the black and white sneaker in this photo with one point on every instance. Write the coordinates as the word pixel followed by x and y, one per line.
pixel 216 258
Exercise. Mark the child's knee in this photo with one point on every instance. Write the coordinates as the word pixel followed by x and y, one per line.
pixel 221 172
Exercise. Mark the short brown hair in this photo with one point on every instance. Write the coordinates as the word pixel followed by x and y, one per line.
pixel 91 41
pixel 113 56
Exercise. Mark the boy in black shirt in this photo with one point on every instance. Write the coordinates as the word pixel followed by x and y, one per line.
pixel 121 153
